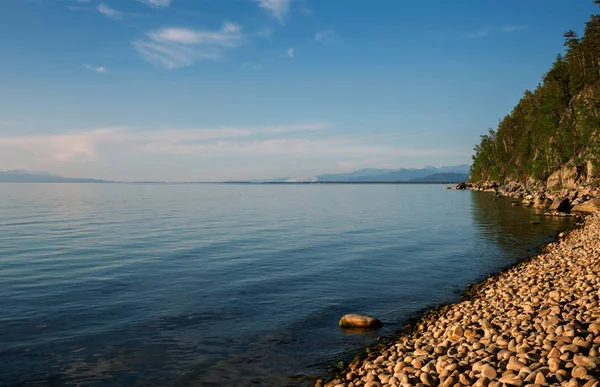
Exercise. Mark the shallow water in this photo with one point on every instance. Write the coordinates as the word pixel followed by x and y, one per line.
pixel 214 285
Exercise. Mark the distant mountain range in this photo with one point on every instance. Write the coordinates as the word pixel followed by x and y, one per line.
pixel 17 176
pixel 447 177
pixel 402 174
pixel 452 174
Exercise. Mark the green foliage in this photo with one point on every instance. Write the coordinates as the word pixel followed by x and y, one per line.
pixel 557 122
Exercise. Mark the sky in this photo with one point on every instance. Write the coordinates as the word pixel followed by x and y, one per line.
pixel 205 90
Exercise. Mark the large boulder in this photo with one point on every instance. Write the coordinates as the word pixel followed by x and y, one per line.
pixel 589 206
pixel 359 321
pixel 561 205
pixel 567 177
pixel 541 202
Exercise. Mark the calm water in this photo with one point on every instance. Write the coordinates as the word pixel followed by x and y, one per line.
pixel 219 285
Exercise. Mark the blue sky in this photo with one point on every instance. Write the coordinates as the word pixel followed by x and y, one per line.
pixel 233 89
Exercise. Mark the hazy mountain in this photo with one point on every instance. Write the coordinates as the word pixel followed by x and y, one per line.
pixel 447 177
pixel 391 175
pixel 40 177
pixel 354 175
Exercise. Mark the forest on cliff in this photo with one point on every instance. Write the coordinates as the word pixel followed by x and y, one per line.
pixel 553 126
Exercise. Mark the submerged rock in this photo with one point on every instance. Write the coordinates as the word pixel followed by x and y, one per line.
pixel 359 321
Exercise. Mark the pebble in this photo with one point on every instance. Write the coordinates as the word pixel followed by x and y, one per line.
pixel 489 372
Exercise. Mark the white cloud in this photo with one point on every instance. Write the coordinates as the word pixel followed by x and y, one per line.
pixel 100 69
pixel 279 8
pixel 84 145
pixel 157 3
pixel 210 153
pixel 491 30
pixel 480 33
pixel 325 36
pixel 61 147
pixel 301 141
pixel 107 11
pixel 179 47
pixel 290 52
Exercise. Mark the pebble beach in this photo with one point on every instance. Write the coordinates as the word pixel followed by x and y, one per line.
pixel 536 324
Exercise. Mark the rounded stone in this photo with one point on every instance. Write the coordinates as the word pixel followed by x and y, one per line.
pixel 359 321
pixel 489 372
pixel 540 378
pixel 427 379
pixel 456 333
pixel 553 364
pixel 579 372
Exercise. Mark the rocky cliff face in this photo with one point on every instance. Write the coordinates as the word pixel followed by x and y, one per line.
pixel 572 176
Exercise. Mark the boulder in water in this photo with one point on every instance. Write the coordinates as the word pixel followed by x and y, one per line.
pixel 359 321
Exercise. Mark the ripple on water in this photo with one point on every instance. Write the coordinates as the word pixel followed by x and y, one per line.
pixel 202 285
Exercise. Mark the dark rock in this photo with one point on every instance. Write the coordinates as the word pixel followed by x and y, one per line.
pixel 561 205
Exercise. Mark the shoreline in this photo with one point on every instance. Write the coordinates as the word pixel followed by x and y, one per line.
pixel 476 341
pixel 559 200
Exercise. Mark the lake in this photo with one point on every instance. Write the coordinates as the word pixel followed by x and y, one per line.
pixel 225 284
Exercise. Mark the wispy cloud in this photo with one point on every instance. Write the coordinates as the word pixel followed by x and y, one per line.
pixel 301 141
pixel 490 30
pixel 107 11
pixel 61 147
pixel 84 145
pixel 100 69
pixel 290 52
pixel 480 33
pixel 326 36
pixel 179 47
pixel 157 3
pixel 278 8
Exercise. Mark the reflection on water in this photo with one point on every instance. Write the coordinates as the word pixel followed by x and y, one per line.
pixel 507 227
pixel 212 285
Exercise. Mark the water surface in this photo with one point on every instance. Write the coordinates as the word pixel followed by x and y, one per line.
pixel 214 285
